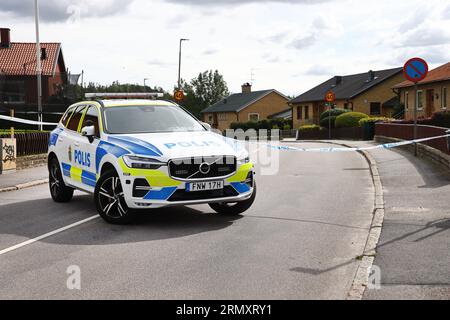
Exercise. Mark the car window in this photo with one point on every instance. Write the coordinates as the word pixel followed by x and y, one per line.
pixel 66 116
pixel 92 115
pixel 149 119
pixel 75 119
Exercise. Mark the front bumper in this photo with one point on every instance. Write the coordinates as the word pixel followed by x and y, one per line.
pixel 157 189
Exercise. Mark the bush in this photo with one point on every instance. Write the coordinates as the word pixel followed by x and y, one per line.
pixel 312 127
pixel 287 127
pixel 333 113
pixel 374 120
pixel 325 122
pixel 263 124
pixel 441 119
pixel 350 119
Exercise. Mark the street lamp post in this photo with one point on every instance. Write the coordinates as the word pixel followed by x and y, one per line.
pixel 179 64
pixel 38 64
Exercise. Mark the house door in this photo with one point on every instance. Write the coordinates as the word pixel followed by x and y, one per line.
pixel 429 109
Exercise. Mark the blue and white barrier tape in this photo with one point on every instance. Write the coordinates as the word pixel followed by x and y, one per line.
pixel 25 121
pixel 381 146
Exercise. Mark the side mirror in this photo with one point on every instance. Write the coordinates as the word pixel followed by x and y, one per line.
pixel 88 132
pixel 207 126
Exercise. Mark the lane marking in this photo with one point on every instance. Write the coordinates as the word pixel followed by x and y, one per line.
pixel 49 234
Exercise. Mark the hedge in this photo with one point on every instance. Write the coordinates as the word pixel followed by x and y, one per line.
pixel 334 113
pixel 438 119
pixel 350 119
pixel 325 122
pixel 263 124
pixel 374 120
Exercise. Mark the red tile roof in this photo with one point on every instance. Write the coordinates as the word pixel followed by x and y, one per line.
pixel 20 59
pixel 441 73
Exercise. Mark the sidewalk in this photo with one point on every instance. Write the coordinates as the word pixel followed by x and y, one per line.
pixel 23 176
pixel 414 250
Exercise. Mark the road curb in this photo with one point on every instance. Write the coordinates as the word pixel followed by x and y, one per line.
pixel 361 279
pixel 24 185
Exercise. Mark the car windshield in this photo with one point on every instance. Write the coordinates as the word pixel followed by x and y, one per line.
pixel 149 119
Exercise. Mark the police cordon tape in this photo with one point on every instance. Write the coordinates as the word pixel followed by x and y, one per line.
pixel 280 148
pixel 26 121
pixel 345 149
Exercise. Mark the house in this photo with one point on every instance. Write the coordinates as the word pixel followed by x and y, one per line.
pixel 432 93
pixel 18 83
pixel 246 106
pixel 370 93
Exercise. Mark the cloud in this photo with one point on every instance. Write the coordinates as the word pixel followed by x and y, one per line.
pixel 159 63
pixel 321 26
pixel 319 70
pixel 304 42
pixel 210 52
pixel 63 10
pixel 242 2
pixel 425 35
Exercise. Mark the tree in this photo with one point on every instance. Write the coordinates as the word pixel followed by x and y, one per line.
pixel 203 91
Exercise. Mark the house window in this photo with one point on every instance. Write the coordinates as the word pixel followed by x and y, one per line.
pixel 406 100
pixel 444 98
pixel 306 112
pixel 299 113
pixel 210 118
pixel 375 108
pixel 254 117
pixel 419 100
pixel 222 117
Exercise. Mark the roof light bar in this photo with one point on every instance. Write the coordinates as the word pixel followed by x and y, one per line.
pixel 124 95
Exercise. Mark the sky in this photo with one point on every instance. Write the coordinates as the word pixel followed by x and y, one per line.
pixel 288 45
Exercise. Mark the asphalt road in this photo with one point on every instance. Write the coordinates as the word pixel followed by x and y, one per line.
pixel 299 241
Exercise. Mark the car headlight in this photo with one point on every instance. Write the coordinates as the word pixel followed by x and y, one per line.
pixel 136 162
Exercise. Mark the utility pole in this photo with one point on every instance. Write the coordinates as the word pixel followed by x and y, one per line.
pixel 38 65
pixel 179 64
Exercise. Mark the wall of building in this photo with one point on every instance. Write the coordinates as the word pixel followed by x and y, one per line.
pixel 221 120
pixel 265 107
pixel 380 93
pixel 315 110
pixel 437 106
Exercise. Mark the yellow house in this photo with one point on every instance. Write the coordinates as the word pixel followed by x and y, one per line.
pixel 246 106
pixel 432 93
pixel 370 93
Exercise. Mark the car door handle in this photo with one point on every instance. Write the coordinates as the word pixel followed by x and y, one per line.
pixel 76 144
pixel 60 139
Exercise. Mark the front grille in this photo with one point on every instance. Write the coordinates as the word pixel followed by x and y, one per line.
pixel 190 168
pixel 183 195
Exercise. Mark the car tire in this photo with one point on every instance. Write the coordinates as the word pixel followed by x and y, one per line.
pixel 110 200
pixel 234 209
pixel 58 189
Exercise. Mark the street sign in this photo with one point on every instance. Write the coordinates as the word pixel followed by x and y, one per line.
pixel 415 70
pixel 179 95
pixel 330 96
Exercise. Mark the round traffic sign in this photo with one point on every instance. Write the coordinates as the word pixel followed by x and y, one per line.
pixel 179 95
pixel 415 70
pixel 330 96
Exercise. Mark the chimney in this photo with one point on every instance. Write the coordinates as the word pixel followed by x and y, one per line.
pixel 337 80
pixel 246 88
pixel 5 40
pixel 371 76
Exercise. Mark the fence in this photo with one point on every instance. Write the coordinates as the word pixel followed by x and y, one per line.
pixel 30 143
pixel 406 132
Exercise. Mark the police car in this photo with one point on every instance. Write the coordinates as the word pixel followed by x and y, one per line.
pixel 144 153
